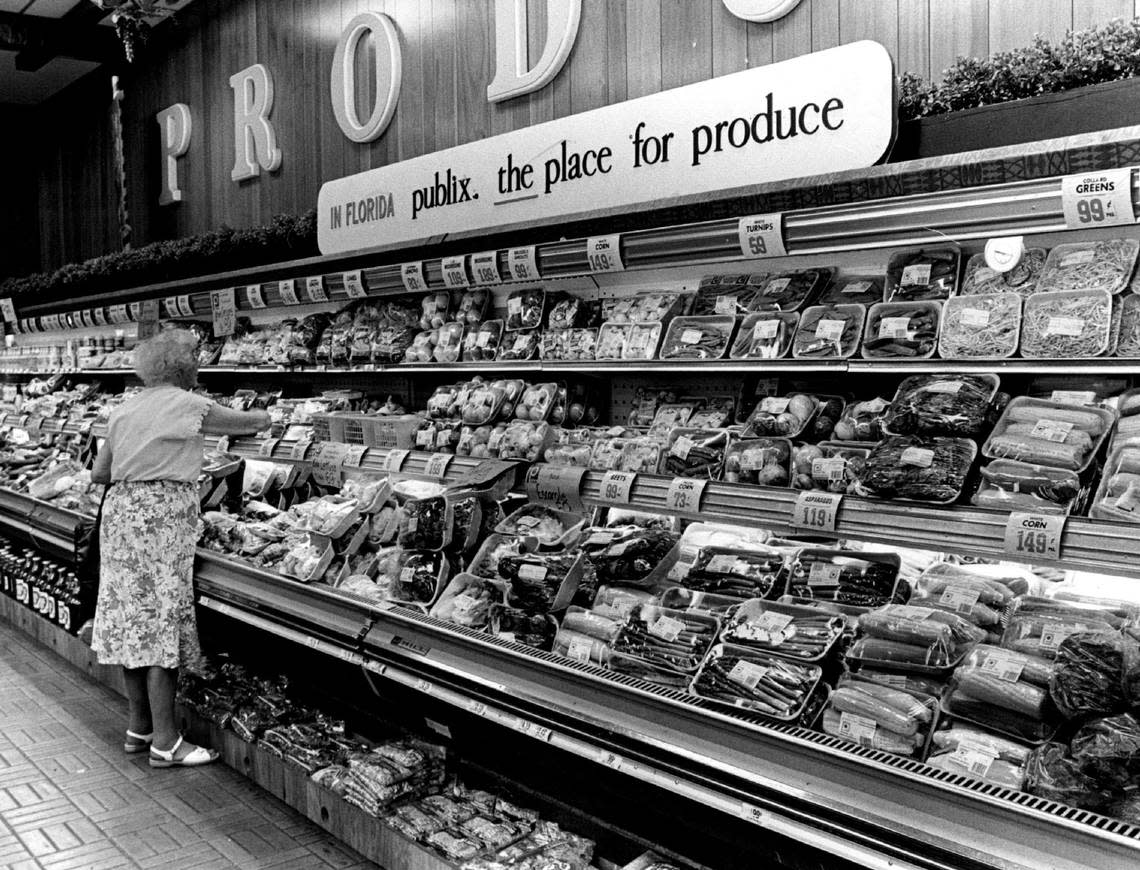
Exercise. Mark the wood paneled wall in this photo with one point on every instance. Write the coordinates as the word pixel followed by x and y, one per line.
pixel 625 49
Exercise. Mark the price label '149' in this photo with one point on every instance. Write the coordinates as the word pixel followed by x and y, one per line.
pixel 762 235
pixel 1034 536
pixel 816 511
pixel 1097 199
pixel 684 494
pixel 604 253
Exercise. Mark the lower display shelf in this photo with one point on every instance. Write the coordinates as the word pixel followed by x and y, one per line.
pixel 54 530
pixel 869 807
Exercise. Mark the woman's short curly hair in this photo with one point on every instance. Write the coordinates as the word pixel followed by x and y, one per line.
pixel 171 357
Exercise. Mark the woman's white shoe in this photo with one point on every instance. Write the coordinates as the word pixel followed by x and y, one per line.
pixel 195 758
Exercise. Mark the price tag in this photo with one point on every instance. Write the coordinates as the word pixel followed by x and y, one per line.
pixel 185 306
pixel 299 449
pixel 118 315
pixel 437 464
pixel 1052 636
pixel 616 486
pixel 604 253
pixel 667 628
pixel 830 470
pixel 1097 199
pixel 1051 430
pixel 856 287
pixel 1074 397
pixel 477 707
pixel 288 291
pixel 775 404
pixel 392 462
pixel 423 686
pixel 830 330
pixel 265 448
pixel 684 494
pixel 8 310
pixel 523 264
pixel 579 649
pixel 975 317
pixel 354 456
pixel 894 327
pixel 747 674
pixel 857 728
pixel 86 320
pixel 532 729
pixel 960 599
pixel 816 511
pixel 354 284
pixel 315 285
pixel 328 462
pixel 691 336
pixel 610 759
pixel 764 329
pixel 559 487
pixel 170 306
pixel 454 271
pixel 1037 536
pixel 253 296
pixel 485 268
pixel 100 317
pixel 1003 666
pixel 975 758
pixel 134 311
pixel 919 457
pixel 771 621
pixel 223 306
pixel 752 813
pixel 412 274
pixel 823 574
pixel 1067 326
pixel 916 275
pixel 762 235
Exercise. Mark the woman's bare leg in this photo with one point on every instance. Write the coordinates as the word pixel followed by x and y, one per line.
pixel 138 719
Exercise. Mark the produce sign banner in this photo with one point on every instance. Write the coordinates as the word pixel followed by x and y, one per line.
pixel 825 112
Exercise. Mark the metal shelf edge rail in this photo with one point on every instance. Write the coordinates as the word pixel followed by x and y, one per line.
pixel 790 767
pixel 1015 208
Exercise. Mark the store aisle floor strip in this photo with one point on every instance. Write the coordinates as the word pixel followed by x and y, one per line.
pixel 70 798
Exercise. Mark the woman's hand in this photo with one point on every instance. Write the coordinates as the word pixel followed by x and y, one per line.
pixel 226 421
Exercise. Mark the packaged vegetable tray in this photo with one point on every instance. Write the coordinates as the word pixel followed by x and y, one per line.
pixel 766 335
pixel 881 717
pixel 1073 324
pixel 784 630
pixel 783 416
pixel 741 295
pixel 1118 496
pixel 526 308
pixel 981 280
pixel 918 639
pixel 941 405
pixel 862 421
pixel 642 340
pixel 1106 265
pixel 674 639
pixel 1004 691
pixel 856 578
pixel 911 468
pixel 741 573
pixel 759 461
pixel 1128 342
pixel 1049 433
pixel 968 751
pixel 1007 484
pixel 612 339
pixel 792 291
pixel 1041 633
pixel 831 466
pixel 698 337
pixel 482 341
pixel 853 290
pixel 568 344
pixel 930 273
pixel 519 345
pixel 907 330
pixel 1095 673
pixel 743 679
pixel 695 453
pixel 551 529
pixel 829 332
pixel 980 327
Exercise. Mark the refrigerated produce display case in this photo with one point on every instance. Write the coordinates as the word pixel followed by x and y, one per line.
pixel 832 554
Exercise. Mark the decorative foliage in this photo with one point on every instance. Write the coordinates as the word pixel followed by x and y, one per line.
pixel 286 238
pixel 1084 57
pixel 132 20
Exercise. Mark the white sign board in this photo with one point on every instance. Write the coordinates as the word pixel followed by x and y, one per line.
pixel 819 113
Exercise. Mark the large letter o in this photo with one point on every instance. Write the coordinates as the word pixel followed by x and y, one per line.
pixel 389 67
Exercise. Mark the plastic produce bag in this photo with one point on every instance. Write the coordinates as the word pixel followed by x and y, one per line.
pixel 941 405
pixel 1109 750
pixel 1050 773
pixel 1096 673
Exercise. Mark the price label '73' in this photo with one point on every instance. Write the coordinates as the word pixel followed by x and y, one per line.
pixel 684 494
pixel 816 511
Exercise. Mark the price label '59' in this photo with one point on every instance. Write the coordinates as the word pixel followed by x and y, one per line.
pixel 1034 536
pixel 762 235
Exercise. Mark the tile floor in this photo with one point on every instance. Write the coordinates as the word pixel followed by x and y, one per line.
pixel 71 800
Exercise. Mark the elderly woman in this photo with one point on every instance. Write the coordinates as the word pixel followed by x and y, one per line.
pixel 144 619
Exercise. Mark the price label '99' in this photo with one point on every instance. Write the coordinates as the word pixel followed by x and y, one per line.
pixel 523 263
pixel 1097 199
pixel 616 486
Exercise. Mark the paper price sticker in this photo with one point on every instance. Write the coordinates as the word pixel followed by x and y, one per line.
pixel 667 628
pixel 858 728
pixel 775 404
pixel 118 315
pixel 394 460
pixel 1052 636
pixel 830 470
pixel 327 463
pixel 604 253
pixel 610 759
pixel 816 511
pixel 1074 397
pixel 287 289
pixel 170 307
pixel 1067 326
pixel 485 268
pixel 185 306
pixel 772 622
pixel 354 285
pixel 1037 536
pixel 412 274
pixel 477 707
pixel 254 298
pixel 8 310
pixel 1051 430
pixel 725 305
pixel 354 455
pixel 437 464
pixel 761 235
pixel 1097 199
pixel 684 494
pixel 856 287
pixel 1003 666
pixel 617 485
pixel 580 649
pixel 423 686
pixel 919 457
pixel 830 330
pixel 823 574
pixel 522 264
pixel 100 316
pixel 135 310
pixel 315 286
pixel 894 327
pixel 559 487
pixel 223 308
pixel 265 448
pixel 975 758
pixel 765 329
pixel 747 674
pixel 533 729
pixel 455 271
pixel 960 599
pixel 916 275
pixel 975 317
pixel 299 449
pixel 752 813
pixel 691 336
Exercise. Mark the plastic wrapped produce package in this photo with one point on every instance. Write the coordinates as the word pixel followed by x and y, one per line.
pixel 829 332
pixel 917 469
pixel 981 280
pixel 941 405
pixel 1049 433
pixel 927 274
pixel 1109 750
pixel 1073 324
pixel 765 335
pixel 902 329
pixel 1095 674
pixel 1008 484
pixel 1051 773
pixel 980 327
pixel 1104 265
pixel 1006 691
pixel 698 338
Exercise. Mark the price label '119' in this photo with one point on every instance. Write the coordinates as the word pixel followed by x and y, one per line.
pixel 816 511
